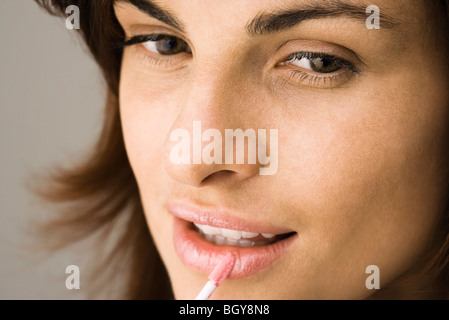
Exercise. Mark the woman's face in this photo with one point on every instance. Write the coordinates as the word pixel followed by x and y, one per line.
pixel 355 175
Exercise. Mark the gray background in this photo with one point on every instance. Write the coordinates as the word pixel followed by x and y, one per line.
pixel 51 111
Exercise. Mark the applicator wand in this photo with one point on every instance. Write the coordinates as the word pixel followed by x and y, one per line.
pixel 217 276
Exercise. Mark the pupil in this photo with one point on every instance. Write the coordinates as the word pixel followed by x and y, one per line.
pixel 169 46
pixel 324 65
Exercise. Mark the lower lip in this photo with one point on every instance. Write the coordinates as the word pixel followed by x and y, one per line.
pixel 201 255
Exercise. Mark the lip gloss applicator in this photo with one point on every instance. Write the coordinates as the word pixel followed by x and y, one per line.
pixel 217 276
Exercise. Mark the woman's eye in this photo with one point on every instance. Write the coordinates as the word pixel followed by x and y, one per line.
pixel 160 44
pixel 320 63
pixel 159 51
pixel 166 45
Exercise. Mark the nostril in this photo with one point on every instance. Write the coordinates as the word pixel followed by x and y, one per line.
pixel 222 175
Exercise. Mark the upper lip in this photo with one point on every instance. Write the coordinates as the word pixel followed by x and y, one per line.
pixel 220 218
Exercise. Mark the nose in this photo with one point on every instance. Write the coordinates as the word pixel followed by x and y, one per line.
pixel 211 130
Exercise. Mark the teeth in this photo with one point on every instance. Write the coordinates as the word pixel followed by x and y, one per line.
pixel 246 243
pixel 223 236
pixel 208 237
pixel 231 234
pixel 228 233
pixel 249 235
pixel 232 242
pixel 220 240
pixel 268 235
pixel 223 241
pixel 209 230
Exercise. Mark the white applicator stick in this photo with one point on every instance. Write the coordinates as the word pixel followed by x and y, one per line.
pixel 217 276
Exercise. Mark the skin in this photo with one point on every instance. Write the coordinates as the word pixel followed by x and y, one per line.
pixel 360 162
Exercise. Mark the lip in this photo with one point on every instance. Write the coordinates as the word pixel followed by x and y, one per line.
pixel 220 218
pixel 201 255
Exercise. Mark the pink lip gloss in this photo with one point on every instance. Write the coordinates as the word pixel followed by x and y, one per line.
pixel 217 276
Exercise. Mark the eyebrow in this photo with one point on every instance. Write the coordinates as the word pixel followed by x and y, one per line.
pixel 156 12
pixel 268 23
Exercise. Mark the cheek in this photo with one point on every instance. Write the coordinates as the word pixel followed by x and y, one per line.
pixel 147 113
pixel 367 181
pixel 146 117
pixel 143 132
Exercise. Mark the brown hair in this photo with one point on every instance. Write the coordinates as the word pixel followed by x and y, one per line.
pixel 102 190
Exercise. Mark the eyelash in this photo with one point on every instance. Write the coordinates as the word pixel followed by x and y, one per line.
pixel 296 73
pixel 141 39
pixel 321 79
pixel 162 61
